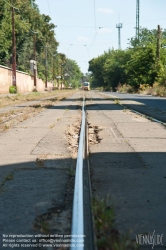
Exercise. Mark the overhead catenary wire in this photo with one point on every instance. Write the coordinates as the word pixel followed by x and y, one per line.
pixel 93 40
pixel 110 26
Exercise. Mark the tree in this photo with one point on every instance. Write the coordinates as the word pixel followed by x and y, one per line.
pixel 143 62
pixel 28 21
pixel 72 73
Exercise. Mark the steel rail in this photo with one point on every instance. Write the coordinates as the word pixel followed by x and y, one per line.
pixel 144 115
pixel 139 113
pixel 78 213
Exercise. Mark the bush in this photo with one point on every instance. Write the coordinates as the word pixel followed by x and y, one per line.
pixel 145 89
pixel 108 88
pixel 12 89
pixel 125 88
pixel 158 89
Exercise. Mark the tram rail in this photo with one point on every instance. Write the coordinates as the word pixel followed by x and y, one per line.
pixel 139 113
pixel 82 192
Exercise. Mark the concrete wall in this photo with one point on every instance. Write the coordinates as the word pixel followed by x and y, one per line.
pixel 25 82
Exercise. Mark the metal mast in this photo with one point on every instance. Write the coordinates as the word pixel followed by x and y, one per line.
pixel 137 19
pixel 119 26
pixel 14 49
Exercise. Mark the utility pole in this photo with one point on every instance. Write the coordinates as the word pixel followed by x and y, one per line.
pixel 53 68
pixel 61 75
pixel 13 50
pixel 35 65
pixel 34 61
pixel 158 43
pixel 58 74
pixel 46 67
pixel 137 19
pixel 119 26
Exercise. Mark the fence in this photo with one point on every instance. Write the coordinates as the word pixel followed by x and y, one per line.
pixel 25 82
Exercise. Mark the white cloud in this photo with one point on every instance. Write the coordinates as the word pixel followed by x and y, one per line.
pixel 104 30
pixel 83 38
pixel 105 10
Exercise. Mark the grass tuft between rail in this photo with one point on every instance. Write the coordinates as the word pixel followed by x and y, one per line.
pixel 107 236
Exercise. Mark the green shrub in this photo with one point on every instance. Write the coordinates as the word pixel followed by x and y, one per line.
pixel 12 89
pixel 125 88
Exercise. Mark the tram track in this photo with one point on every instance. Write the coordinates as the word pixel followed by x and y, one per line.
pixel 82 211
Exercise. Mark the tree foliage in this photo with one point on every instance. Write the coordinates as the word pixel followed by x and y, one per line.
pixel 136 65
pixel 72 73
pixel 32 30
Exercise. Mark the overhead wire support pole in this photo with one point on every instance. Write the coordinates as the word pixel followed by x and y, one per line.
pixel 46 67
pixel 13 50
pixel 14 46
pixel 119 26
pixel 137 19
pixel 35 65
pixel 53 70
pixel 158 43
pixel 53 67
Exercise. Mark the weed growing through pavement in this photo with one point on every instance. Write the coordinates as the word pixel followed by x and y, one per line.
pixel 44 227
pixel 42 224
pixel 117 101
pixel 108 237
pixel 36 106
pixel 62 98
pixel 25 117
pixel 5 127
pixel 71 172
pixel 54 99
pixel 52 125
pixel 9 177
pixel 40 163
pixel 19 98
pixel 12 112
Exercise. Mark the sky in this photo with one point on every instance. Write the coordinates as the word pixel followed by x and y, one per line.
pixel 87 28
